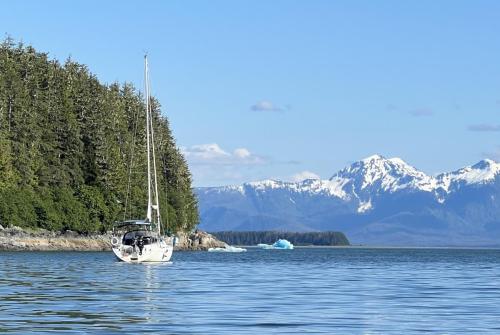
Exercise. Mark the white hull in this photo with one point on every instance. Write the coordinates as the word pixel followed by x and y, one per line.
pixel 155 252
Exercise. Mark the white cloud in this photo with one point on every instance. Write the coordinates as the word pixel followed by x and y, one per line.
pixel 304 175
pixel 205 152
pixel 213 154
pixel 212 165
pixel 265 106
pixel 242 153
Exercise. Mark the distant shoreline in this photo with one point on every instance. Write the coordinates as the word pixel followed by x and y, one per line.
pixel 317 238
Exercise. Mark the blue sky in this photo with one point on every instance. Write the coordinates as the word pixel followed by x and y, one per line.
pixel 284 89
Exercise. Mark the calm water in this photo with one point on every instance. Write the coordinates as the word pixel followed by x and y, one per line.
pixel 335 291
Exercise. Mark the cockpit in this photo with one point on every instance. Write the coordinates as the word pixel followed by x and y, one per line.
pixel 138 237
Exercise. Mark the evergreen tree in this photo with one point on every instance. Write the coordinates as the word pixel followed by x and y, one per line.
pixel 72 150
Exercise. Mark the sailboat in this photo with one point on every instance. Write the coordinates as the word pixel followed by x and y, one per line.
pixel 138 241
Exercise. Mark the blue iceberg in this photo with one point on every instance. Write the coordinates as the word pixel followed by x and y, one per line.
pixel 279 244
pixel 282 244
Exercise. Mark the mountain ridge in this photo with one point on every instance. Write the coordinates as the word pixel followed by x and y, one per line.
pixel 373 192
pixel 411 178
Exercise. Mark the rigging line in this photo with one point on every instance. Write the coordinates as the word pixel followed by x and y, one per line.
pixel 166 198
pixel 146 83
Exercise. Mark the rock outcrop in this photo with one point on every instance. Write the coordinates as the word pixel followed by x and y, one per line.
pixel 197 240
pixel 18 239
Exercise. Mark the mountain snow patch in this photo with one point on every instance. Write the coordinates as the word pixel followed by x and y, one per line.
pixel 365 206
pixel 483 172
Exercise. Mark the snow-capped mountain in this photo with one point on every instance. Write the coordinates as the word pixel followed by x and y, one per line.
pixel 375 200
pixel 377 173
pixel 486 171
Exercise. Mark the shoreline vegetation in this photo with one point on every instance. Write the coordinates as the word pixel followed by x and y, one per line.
pixel 71 149
pixel 19 239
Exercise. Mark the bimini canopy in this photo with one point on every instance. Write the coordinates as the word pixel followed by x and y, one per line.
pixel 132 223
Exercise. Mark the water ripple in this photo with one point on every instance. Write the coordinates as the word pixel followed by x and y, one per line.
pixel 311 290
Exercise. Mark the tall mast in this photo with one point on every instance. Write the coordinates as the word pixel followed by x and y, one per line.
pixel 146 93
pixel 155 175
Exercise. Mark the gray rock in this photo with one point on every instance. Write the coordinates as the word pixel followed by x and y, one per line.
pixel 15 231
pixel 197 240
pixel 70 233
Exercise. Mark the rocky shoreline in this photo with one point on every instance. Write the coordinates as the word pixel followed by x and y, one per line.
pixel 18 239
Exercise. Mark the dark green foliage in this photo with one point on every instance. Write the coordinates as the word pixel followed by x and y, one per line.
pixel 66 147
pixel 330 238
pixel 17 207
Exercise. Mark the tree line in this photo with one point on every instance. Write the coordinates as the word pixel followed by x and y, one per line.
pixel 72 150
pixel 325 238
